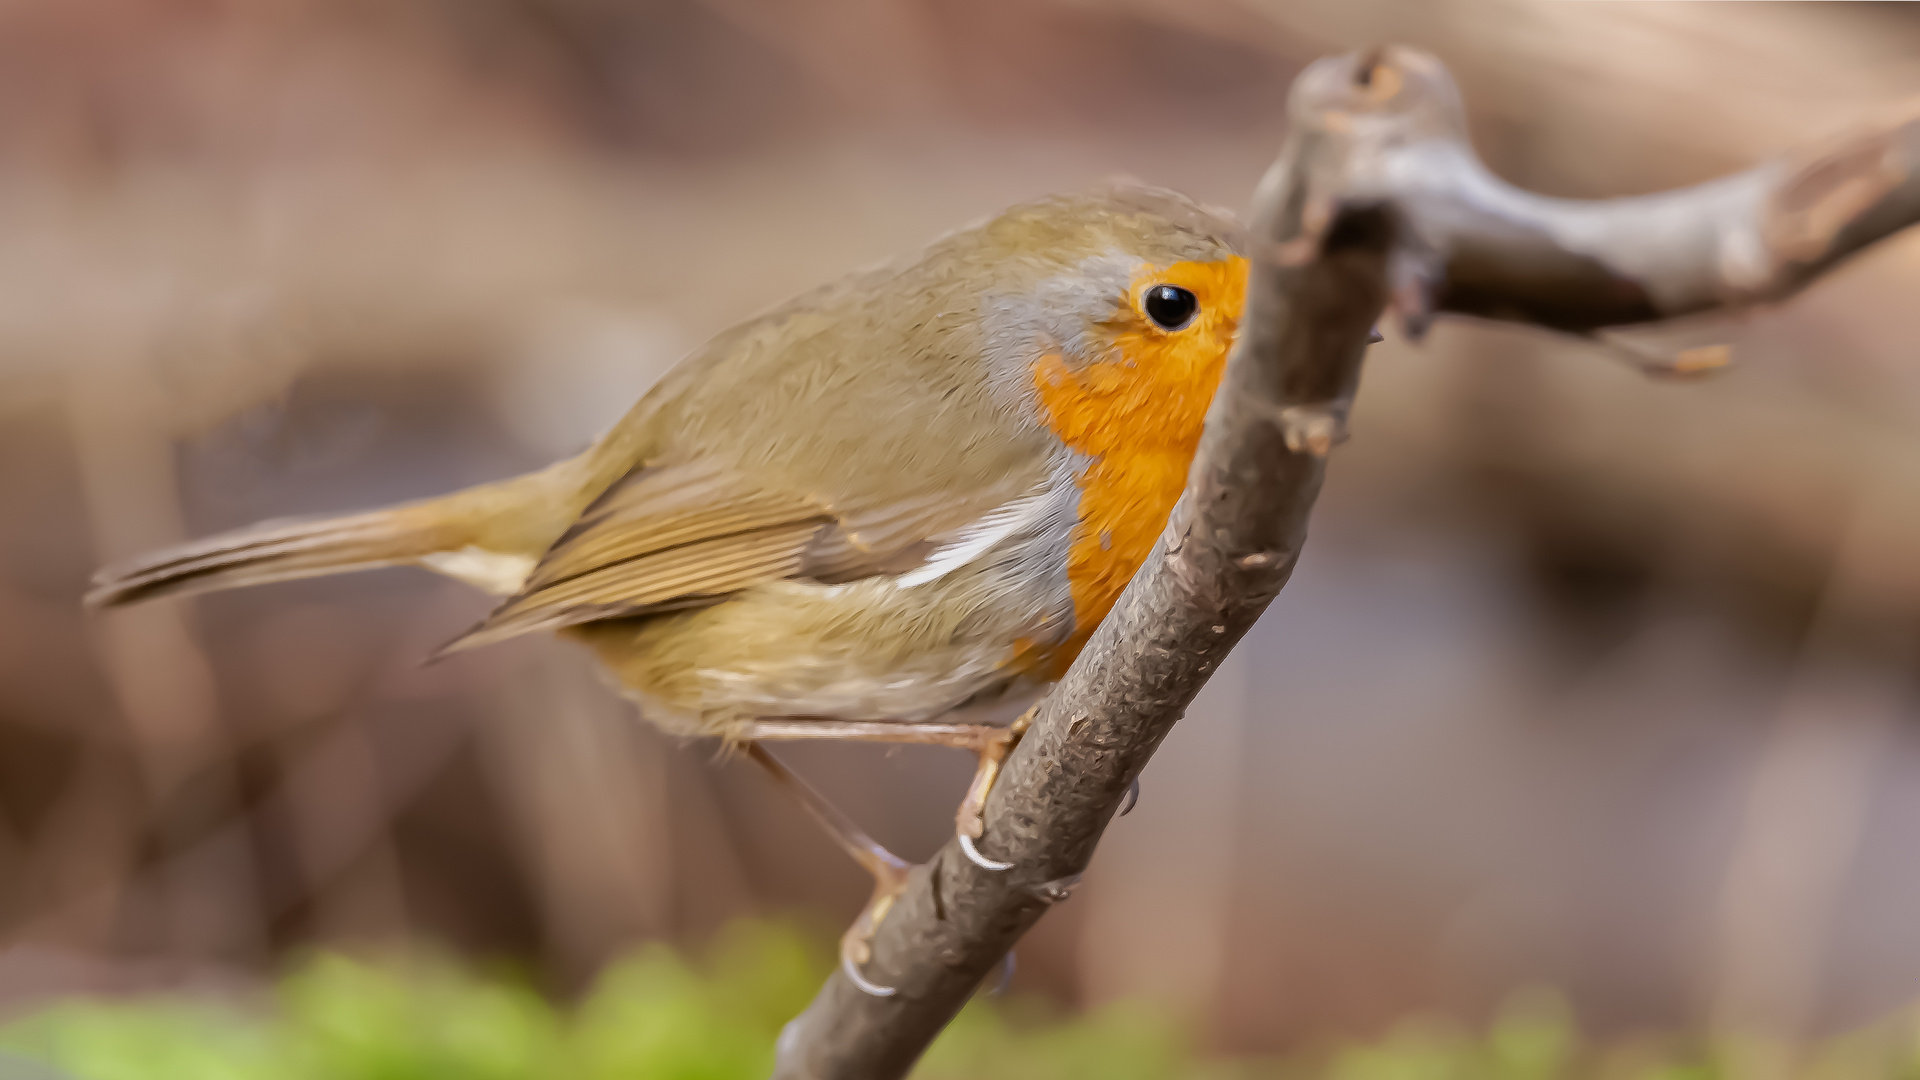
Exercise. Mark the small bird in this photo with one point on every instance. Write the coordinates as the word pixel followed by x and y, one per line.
pixel 877 512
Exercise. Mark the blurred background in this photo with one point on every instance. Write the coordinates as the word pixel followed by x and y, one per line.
pixel 1584 680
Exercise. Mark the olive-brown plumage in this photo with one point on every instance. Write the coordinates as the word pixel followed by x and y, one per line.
pixel 764 534
pixel 911 491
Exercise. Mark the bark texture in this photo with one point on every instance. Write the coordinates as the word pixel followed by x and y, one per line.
pixel 1376 200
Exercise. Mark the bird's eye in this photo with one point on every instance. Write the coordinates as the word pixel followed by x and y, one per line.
pixel 1169 306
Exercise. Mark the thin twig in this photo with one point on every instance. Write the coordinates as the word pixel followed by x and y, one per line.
pixel 1375 198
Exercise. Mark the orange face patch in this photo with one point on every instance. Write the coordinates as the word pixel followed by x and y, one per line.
pixel 1139 417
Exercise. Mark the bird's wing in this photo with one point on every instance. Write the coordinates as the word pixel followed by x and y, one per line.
pixel 671 537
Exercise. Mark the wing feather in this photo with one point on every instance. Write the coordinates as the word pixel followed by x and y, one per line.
pixel 668 538
pixel 684 576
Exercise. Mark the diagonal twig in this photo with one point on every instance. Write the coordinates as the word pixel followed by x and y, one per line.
pixel 1376 199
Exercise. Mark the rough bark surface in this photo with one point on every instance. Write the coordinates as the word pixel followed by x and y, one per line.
pixel 1376 199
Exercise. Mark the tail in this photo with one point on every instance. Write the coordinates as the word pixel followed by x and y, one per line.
pixel 489 536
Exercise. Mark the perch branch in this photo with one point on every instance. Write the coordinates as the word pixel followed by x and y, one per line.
pixel 1480 246
pixel 1376 198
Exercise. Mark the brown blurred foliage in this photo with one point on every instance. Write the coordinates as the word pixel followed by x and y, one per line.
pixel 1584 679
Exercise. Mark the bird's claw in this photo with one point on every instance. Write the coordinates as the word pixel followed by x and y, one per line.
pixel 856 945
pixel 851 969
pixel 970 823
pixel 972 852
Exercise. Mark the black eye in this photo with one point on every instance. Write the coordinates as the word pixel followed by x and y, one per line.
pixel 1169 306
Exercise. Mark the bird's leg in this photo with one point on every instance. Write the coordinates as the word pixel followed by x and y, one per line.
pixel 889 870
pixel 974 737
pixel 990 742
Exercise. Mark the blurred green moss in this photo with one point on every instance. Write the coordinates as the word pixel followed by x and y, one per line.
pixel 661 1016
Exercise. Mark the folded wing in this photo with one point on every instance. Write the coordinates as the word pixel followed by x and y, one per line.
pixel 666 538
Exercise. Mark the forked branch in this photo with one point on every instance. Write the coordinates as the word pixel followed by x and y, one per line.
pixel 1377 199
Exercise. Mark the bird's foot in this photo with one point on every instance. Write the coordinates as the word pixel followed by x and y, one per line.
pixel 856 945
pixel 970 822
pixel 889 870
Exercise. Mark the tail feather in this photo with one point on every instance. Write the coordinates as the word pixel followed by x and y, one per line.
pixel 280 550
pixel 489 536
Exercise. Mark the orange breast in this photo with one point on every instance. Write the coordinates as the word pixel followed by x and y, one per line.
pixel 1139 417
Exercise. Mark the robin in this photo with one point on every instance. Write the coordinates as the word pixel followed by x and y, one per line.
pixel 876 512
